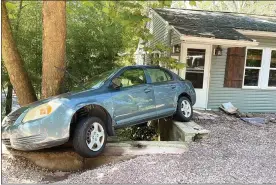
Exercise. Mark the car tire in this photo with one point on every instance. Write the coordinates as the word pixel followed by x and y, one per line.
pixel 87 141
pixel 184 110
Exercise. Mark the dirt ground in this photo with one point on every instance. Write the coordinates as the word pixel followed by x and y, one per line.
pixel 235 152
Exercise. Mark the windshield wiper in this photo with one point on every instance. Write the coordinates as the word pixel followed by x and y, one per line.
pixel 72 77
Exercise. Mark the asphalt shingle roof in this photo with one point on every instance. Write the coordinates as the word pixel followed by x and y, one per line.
pixel 219 25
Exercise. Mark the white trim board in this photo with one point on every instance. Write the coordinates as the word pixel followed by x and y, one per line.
pixel 238 43
pixel 257 33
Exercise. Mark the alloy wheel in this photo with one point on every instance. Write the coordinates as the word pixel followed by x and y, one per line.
pixel 95 137
pixel 186 108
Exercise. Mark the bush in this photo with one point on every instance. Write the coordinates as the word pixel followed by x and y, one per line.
pixel 137 133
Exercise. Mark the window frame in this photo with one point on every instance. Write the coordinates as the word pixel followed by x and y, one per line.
pixel 132 85
pixel 264 69
pixel 270 68
pixel 164 70
pixel 260 69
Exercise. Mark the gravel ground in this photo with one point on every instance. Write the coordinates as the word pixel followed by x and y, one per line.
pixel 18 170
pixel 235 152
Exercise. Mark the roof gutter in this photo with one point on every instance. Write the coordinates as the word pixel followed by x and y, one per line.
pixel 215 41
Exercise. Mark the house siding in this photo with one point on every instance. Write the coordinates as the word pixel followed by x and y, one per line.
pixel 246 100
pixel 159 30
pixel 175 38
pixel 161 34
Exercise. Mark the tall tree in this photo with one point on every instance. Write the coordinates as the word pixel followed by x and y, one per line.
pixel 9 86
pixel 14 64
pixel 53 49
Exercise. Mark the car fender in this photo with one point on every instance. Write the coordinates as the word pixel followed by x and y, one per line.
pixel 106 107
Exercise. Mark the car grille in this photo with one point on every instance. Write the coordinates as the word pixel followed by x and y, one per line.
pixel 29 139
pixel 7 142
pixel 12 117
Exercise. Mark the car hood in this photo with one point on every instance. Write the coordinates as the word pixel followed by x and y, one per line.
pixel 39 102
pixel 66 97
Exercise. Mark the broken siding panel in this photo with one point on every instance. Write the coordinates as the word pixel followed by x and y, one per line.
pixel 247 100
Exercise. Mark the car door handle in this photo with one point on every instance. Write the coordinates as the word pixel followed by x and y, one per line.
pixel 173 86
pixel 147 90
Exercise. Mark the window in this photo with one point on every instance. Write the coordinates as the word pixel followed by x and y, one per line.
pixel 155 57
pixel 253 66
pixel 260 68
pixel 132 77
pixel 159 75
pixel 272 70
pixel 195 66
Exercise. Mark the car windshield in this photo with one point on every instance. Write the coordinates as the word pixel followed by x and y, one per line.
pixel 98 80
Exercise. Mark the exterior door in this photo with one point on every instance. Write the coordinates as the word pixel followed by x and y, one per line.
pixel 134 101
pixel 197 70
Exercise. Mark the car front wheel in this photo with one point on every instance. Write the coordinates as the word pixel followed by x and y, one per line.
pixel 90 137
pixel 184 110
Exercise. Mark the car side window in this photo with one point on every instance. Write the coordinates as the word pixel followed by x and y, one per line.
pixel 132 77
pixel 159 75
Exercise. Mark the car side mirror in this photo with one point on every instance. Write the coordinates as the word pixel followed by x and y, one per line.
pixel 116 83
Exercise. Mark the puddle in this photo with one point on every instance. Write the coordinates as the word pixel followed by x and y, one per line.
pixel 89 164
pixel 57 176
pixel 92 163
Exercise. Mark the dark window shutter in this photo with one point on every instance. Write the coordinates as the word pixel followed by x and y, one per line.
pixel 234 67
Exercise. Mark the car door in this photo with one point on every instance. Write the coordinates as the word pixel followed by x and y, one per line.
pixel 164 88
pixel 133 102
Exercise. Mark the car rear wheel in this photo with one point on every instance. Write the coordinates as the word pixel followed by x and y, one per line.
pixel 90 137
pixel 184 110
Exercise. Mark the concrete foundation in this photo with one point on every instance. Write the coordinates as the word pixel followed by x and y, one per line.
pixel 171 130
pixel 65 159
pixel 173 139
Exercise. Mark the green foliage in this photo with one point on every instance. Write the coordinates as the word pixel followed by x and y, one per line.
pixel 137 133
pixel 242 6
pixel 93 41
pixel 185 4
pixel 100 35
pixel 192 3
pixel 163 56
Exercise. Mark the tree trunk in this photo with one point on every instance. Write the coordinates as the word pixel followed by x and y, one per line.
pixel 14 64
pixel 53 49
pixel 9 99
pixel 10 87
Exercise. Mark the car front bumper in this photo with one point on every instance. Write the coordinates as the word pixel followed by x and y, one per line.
pixel 52 130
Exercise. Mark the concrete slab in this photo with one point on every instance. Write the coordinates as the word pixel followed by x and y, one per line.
pixel 145 148
pixel 188 131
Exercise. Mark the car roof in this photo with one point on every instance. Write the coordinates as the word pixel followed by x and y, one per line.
pixel 143 66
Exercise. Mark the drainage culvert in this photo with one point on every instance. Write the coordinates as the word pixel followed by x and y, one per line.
pixel 162 137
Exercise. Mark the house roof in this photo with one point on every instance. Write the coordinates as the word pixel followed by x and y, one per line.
pixel 220 25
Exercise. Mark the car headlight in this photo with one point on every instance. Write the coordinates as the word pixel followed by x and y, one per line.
pixel 41 111
pixel 4 122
